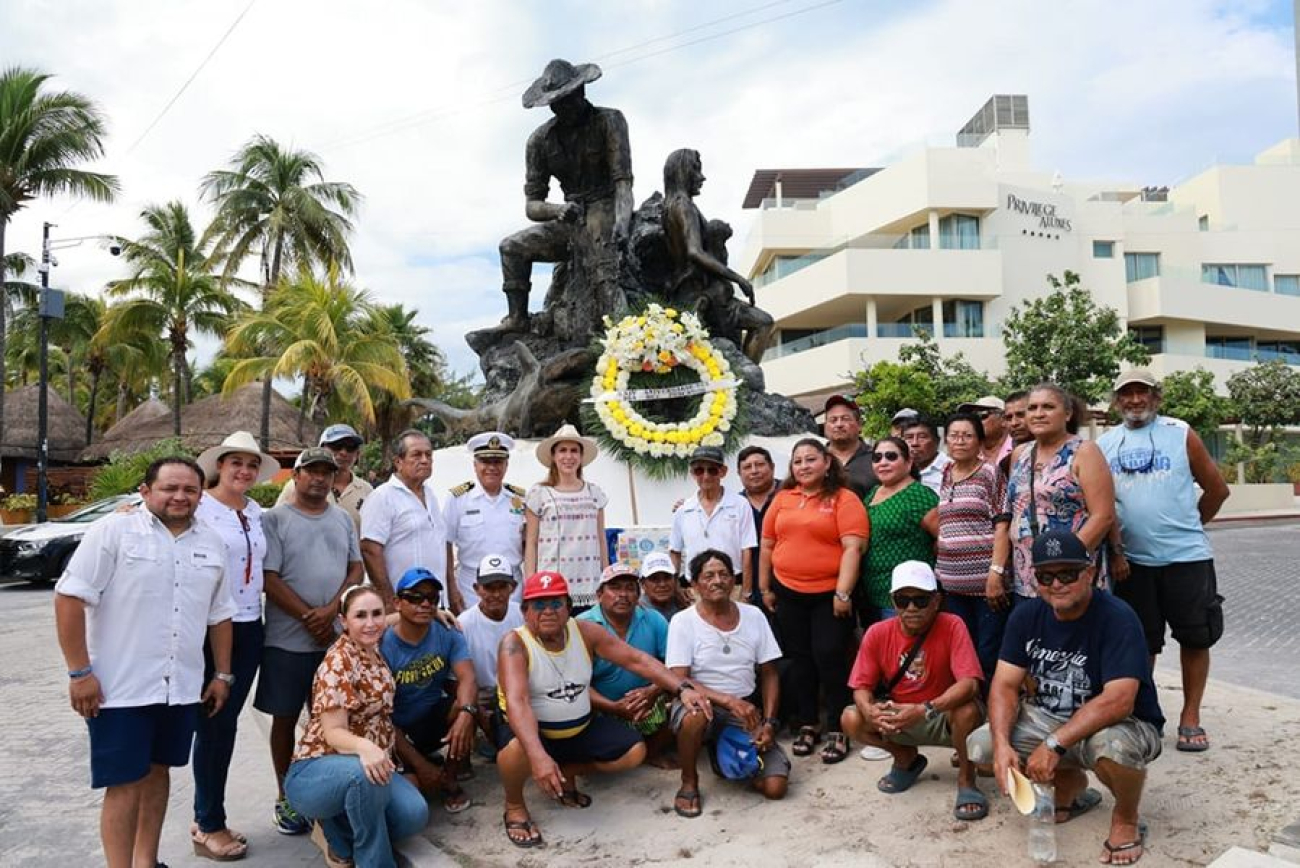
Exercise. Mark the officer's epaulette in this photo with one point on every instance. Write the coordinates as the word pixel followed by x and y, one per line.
pixel 515 490
pixel 463 488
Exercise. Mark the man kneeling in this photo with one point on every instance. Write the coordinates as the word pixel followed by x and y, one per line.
pixel 544 688
pixel 1089 701
pixel 915 682
pixel 722 645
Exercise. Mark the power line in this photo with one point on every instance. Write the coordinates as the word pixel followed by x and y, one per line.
pixel 431 115
pixel 171 102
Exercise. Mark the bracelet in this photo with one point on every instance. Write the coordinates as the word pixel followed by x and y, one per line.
pixel 81 673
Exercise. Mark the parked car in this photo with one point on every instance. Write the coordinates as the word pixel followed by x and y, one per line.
pixel 40 552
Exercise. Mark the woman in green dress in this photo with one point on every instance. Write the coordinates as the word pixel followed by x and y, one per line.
pixel 904 524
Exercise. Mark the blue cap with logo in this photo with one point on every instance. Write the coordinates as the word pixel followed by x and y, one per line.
pixel 1059 547
pixel 413 577
pixel 338 434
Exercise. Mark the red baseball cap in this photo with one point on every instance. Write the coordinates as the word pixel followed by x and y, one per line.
pixel 546 583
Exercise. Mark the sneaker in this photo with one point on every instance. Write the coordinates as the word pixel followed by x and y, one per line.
pixel 288 821
pixel 871 753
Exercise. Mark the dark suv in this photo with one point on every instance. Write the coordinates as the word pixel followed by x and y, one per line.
pixel 40 552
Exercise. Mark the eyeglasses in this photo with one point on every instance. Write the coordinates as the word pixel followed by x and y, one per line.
pixel 1062 577
pixel 554 604
pixel 877 457
pixel 703 469
pixel 984 414
pixel 1131 460
pixel 961 435
pixel 916 601
pixel 491 461
pixel 344 446
pixel 415 598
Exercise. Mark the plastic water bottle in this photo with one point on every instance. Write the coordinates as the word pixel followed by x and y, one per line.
pixel 1042 825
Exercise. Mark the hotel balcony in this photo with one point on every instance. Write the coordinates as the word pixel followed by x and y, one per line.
pixel 1180 294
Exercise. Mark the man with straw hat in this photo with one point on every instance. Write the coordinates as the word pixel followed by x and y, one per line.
pixel 586 149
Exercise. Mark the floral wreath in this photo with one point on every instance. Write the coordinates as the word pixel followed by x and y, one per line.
pixel 662 344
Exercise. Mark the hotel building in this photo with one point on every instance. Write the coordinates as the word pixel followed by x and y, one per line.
pixel 847 260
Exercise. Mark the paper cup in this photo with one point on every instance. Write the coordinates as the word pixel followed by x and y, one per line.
pixel 1021 790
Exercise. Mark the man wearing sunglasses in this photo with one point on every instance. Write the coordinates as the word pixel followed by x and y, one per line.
pixel 714 518
pixel 348 491
pixel 547 728
pixel 424 655
pixel 1089 704
pixel 1164 567
pixel 933 701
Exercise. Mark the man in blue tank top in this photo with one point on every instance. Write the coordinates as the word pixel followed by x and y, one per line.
pixel 1161 561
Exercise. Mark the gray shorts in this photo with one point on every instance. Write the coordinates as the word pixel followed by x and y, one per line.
pixel 284 681
pixel 775 762
pixel 1131 743
pixel 924 733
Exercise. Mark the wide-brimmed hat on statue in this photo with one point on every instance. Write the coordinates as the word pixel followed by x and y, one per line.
pixel 559 79
pixel 567 433
pixel 240 441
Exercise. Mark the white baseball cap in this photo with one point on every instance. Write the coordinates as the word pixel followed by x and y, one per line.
pixel 913 574
pixel 657 562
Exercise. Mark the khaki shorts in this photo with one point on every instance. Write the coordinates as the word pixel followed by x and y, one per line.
pixel 1131 743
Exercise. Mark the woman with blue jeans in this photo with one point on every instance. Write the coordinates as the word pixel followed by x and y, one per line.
pixel 973 546
pixel 230 469
pixel 343 772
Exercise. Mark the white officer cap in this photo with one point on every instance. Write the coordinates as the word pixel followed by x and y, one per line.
pixel 491 444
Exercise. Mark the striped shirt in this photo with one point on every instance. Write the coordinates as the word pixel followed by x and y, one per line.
pixel 968 510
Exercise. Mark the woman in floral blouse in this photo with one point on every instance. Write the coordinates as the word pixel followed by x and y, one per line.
pixel 348 746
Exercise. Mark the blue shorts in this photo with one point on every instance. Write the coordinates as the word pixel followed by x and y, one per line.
pixel 605 739
pixel 125 742
pixel 284 681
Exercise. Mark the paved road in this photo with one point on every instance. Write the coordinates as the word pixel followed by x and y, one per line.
pixel 48 815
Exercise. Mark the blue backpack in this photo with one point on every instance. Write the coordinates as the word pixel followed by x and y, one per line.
pixel 738 759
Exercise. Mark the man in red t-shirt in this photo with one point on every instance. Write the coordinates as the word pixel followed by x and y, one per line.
pixel 933 702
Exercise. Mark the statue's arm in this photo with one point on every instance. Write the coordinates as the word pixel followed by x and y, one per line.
pixel 537 184
pixel 682 218
pixel 619 153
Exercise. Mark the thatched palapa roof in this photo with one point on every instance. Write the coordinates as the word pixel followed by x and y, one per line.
pixel 124 434
pixel 66 427
pixel 209 421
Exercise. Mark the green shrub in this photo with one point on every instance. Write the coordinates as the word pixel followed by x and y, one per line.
pixel 124 473
pixel 19 501
pixel 265 494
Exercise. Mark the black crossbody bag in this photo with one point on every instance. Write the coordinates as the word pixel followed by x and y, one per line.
pixel 882 691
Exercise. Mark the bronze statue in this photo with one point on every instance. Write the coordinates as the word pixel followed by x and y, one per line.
pixel 586 149
pixel 698 252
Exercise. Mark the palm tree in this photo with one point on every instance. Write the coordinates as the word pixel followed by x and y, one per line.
pixel 275 203
pixel 315 329
pixel 425 364
pixel 173 291
pixel 43 136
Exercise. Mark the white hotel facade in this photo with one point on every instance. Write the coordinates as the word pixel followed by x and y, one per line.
pixel 1206 273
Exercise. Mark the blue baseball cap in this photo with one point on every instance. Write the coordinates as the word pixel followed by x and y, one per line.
pixel 339 433
pixel 413 577
pixel 1059 547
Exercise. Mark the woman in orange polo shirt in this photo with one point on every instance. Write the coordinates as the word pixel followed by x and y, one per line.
pixel 813 538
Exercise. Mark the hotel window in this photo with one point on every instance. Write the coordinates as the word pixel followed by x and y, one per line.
pixel 963 319
pixel 1203 223
pixel 1103 250
pixel 959 232
pixel 917 239
pixel 1140 266
pixel 1233 274
pixel 1286 284
pixel 1151 337
pixel 1229 347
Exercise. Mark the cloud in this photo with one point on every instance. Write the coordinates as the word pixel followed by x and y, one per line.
pixel 418 106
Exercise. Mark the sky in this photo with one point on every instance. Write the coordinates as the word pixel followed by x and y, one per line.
pixel 417 104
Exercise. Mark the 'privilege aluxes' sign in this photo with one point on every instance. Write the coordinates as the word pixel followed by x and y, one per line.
pixel 1044 212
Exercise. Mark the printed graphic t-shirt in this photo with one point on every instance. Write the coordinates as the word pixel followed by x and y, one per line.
pixel 420 671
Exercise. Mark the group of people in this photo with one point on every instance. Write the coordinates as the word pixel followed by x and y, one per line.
pixel 996 596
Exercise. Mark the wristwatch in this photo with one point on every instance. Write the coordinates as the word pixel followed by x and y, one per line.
pixel 228 678
pixel 471 710
pixel 930 711
pixel 842 597
pixel 1054 745
pixel 1000 570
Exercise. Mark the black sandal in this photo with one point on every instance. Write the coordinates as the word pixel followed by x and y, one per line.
pixel 575 799
pixel 836 748
pixel 805 741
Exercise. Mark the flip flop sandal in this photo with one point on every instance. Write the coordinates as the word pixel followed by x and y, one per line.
pixel 1113 849
pixel 534 838
pixel 1082 804
pixel 901 780
pixel 805 741
pixel 1186 744
pixel 575 799
pixel 967 797
pixel 692 799
pixel 454 800
pixel 836 748
pixel 231 852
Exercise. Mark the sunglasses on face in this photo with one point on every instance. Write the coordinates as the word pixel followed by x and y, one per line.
pixel 1061 577
pixel 706 469
pixel 415 598
pixel 554 604
pixel 916 601
pixel 877 457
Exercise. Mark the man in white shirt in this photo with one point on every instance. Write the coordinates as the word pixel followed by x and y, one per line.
pixel 401 522
pixel 493 616
pixel 922 439
pixel 142 592
pixel 714 518
pixel 724 648
pixel 484 516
